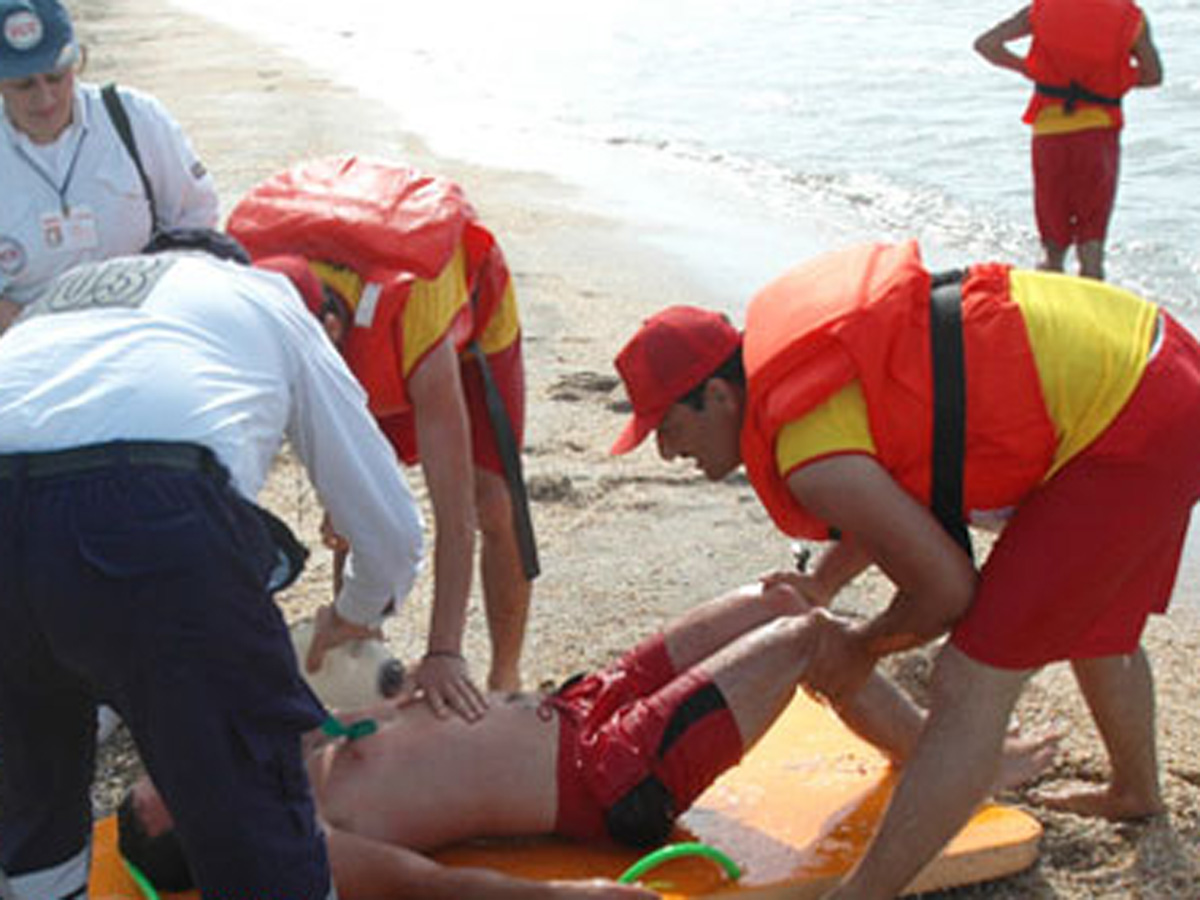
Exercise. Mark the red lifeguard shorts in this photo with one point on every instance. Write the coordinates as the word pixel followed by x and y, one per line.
pixel 1094 551
pixel 1075 184
pixel 508 371
pixel 634 720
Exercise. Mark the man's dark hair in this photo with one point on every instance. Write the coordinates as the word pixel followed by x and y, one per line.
pixel 160 859
pixel 337 306
pixel 730 370
pixel 207 240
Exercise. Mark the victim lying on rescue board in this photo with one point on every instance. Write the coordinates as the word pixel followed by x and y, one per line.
pixel 614 755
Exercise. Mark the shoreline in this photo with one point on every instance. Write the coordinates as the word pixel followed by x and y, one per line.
pixel 625 543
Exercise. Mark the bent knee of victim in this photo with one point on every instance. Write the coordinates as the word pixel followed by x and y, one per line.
pixel 785 599
pixel 791 631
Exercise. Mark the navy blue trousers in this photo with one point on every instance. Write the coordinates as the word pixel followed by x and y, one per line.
pixel 146 587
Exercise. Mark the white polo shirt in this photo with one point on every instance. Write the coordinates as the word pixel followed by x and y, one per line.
pixel 183 347
pixel 79 198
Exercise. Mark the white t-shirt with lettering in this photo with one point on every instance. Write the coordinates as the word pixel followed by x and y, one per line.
pixel 183 347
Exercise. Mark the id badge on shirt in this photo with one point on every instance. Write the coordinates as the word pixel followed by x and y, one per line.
pixel 72 231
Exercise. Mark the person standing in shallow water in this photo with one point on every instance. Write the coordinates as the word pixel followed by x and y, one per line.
pixel 1085 55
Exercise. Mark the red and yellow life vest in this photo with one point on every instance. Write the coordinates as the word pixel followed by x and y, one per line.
pixel 1085 43
pixel 863 314
pixel 391 225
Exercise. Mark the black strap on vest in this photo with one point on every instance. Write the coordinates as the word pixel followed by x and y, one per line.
pixel 949 405
pixel 120 120
pixel 1073 93
pixel 510 459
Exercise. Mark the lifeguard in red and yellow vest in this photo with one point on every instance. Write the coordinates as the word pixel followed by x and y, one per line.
pixel 1077 408
pixel 414 290
pixel 1084 57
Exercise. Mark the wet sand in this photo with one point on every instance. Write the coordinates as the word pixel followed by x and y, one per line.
pixel 625 543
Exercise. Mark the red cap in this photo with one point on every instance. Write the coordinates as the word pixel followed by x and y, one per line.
pixel 301 276
pixel 674 350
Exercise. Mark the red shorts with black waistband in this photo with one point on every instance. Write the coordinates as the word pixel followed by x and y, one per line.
pixel 634 720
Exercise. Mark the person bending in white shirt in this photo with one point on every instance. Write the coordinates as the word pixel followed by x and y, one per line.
pixel 142 401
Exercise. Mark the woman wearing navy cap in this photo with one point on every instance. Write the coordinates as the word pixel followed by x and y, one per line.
pixel 72 190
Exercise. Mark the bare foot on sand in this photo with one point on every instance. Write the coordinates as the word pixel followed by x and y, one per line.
pixel 1025 758
pixel 1099 802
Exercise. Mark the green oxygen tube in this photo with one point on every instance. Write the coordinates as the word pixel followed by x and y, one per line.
pixel 674 851
pixel 142 882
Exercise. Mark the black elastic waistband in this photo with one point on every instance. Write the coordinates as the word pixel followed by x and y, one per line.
pixel 97 457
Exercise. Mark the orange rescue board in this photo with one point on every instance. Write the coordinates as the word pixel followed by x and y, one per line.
pixel 794 815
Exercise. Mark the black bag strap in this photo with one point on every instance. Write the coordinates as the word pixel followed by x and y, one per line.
pixel 510 459
pixel 949 405
pixel 510 454
pixel 120 120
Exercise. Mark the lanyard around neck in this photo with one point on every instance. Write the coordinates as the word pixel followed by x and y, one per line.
pixel 59 189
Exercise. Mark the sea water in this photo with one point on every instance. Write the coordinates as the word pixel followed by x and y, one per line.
pixel 745 135
pixel 742 137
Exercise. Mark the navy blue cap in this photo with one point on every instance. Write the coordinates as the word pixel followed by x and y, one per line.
pixel 36 37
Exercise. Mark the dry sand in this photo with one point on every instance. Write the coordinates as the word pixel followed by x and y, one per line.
pixel 625 543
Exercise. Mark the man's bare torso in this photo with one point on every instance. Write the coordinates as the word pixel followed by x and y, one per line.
pixel 423 782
